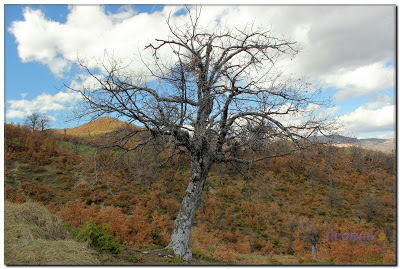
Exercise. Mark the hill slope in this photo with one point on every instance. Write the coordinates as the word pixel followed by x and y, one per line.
pixel 107 124
pixel 263 215
pixel 97 127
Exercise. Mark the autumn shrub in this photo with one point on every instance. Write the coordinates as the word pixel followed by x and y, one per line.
pixel 226 253
pixel 20 198
pixel 389 257
pixel 10 194
pixel 77 213
pixel 38 192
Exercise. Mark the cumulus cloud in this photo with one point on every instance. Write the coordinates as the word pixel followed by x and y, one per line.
pixel 370 117
pixel 346 47
pixel 332 37
pixel 88 32
pixel 44 103
pixel 386 136
pixel 365 80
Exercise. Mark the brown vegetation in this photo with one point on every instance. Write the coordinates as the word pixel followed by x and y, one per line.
pixel 278 212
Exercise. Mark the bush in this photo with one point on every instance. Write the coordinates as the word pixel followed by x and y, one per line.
pixel 157 239
pixel 134 258
pixel 98 237
pixel 198 254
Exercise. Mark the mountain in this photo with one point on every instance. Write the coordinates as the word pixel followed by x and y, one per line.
pixel 108 124
pixel 384 145
pixel 97 127
pixel 377 144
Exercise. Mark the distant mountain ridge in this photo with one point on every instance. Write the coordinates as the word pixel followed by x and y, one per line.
pixel 378 144
pixel 108 124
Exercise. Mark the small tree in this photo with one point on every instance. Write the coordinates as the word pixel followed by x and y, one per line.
pixel 44 122
pixel 371 208
pixel 310 233
pixel 32 121
pixel 333 197
pixel 219 99
pixel 38 122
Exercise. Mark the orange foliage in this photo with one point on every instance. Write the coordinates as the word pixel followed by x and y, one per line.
pixel 225 253
pixel 261 216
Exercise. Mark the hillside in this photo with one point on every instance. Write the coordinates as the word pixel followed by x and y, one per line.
pixel 264 215
pixel 96 127
pixel 384 145
pixel 106 125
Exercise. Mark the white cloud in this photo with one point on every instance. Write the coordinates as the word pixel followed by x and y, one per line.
pixel 332 37
pixel 370 117
pixel 86 82
pixel 15 114
pixel 385 135
pixel 365 80
pixel 88 32
pixel 124 12
pixel 44 103
pixel 345 47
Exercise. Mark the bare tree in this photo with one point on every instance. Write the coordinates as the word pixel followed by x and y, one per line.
pixel 371 208
pixel 333 197
pixel 32 121
pixel 44 122
pixel 311 233
pixel 38 122
pixel 219 98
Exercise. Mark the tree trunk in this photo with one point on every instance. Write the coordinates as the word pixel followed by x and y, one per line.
pixel 314 252
pixel 183 223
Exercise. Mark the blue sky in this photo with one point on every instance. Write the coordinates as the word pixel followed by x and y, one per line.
pixel 356 70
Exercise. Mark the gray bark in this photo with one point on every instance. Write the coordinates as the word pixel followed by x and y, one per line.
pixel 314 252
pixel 183 223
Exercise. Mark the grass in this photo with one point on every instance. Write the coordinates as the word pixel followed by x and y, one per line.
pixel 34 236
pixel 81 149
pixel 49 252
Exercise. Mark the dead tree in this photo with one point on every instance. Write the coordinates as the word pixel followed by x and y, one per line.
pixel 311 233
pixel 38 122
pixel 218 94
pixel 44 122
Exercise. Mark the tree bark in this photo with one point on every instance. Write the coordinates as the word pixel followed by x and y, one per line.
pixel 183 223
pixel 314 251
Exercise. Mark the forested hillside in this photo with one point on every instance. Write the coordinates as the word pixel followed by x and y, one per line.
pixel 326 205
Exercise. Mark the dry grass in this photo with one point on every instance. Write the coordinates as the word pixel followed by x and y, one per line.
pixel 34 236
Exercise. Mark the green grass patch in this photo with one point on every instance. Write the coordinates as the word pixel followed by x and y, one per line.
pixel 80 149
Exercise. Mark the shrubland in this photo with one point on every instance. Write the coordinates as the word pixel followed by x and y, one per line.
pixel 273 212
